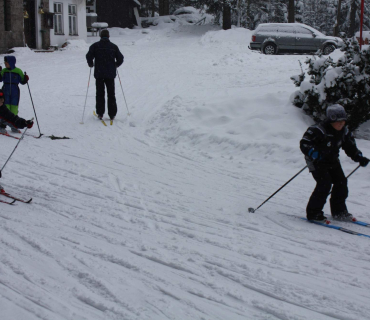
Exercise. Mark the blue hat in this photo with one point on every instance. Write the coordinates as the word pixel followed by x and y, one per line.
pixel 336 113
pixel 11 60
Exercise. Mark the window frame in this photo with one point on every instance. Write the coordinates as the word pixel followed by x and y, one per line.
pixel 308 31
pixel 72 20
pixel 58 19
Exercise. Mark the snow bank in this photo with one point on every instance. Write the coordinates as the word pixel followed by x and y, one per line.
pixel 76 45
pixel 234 35
pixel 257 128
pixel 21 51
pixel 186 10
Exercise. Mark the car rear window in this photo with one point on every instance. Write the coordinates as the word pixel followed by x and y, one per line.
pixel 286 29
pixel 265 29
pixel 302 30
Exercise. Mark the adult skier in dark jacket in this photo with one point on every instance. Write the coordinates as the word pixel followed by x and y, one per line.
pixel 107 59
pixel 320 145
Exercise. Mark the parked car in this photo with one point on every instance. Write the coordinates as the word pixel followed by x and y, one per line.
pixel 272 38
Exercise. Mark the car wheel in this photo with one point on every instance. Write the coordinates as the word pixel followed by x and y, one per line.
pixel 269 48
pixel 328 49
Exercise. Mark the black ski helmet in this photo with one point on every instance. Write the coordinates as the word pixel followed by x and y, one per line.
pixel 336 113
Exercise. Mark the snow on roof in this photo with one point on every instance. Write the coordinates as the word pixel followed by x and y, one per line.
pixel 99 25
pixel 91 14
pixel 295 24
pixel 186 10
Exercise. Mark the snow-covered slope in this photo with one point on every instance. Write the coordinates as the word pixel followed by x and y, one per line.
pixel 147 219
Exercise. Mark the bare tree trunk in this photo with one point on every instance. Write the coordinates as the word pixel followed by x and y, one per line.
pixel 352 26
pixel 161 7
pixel 226 16
pixel 336 27
pixel 153 8
pixel 249 26
pixel 238 6
pixel 291 10
pixel 166 7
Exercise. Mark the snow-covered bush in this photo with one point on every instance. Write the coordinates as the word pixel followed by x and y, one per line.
pixel 345 81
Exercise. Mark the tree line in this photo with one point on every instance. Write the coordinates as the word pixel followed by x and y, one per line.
pixel 328 16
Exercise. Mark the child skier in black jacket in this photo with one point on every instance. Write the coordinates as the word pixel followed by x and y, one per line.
pixel 320 145
pixel 8 116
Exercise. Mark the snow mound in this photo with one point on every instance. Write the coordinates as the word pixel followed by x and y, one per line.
pixel 253 128
pixel 186 10
pixel 21 51
pixel 234 35
pixel 115 31
pixel 76 45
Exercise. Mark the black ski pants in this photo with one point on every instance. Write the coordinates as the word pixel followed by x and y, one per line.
pixel 101 83
pixel 328 176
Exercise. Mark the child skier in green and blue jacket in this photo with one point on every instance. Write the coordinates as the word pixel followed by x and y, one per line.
pixel 11 77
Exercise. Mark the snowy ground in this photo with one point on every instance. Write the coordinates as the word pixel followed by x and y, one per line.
pixel 147 219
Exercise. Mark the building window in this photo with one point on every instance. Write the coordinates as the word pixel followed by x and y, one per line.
pixel 7 19
pixel 72 16
pixel 58 18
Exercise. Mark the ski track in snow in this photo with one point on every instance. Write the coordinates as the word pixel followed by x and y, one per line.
pixel 148 218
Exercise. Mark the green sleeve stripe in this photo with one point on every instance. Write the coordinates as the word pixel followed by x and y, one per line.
pixel 15 70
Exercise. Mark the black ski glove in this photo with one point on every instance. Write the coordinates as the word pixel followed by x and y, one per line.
pixel 363 161
pixel 29 124
pixel 20 123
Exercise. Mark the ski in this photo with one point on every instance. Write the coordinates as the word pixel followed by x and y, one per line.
pixel 355 221
pixel 329 225
pixel 36 137
pixel 103 122
pixel 1 201
pixel 5 194
pixel 361 223
pixel 10 136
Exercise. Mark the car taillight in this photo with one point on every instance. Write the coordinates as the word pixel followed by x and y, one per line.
pixel 253 38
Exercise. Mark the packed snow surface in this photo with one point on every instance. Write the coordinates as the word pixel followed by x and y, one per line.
pixel 148 219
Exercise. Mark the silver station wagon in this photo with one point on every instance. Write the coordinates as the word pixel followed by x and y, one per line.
pixel 273 38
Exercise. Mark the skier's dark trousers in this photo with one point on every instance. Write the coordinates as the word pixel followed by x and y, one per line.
pixel 107 59
pixel 320 145
pixel 8 116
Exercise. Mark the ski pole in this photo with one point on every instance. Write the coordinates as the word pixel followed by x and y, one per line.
pixel 34 110
pixel 20 139
pixel 254 210
pixel 351 173
pixel 88 85
pixel 128 112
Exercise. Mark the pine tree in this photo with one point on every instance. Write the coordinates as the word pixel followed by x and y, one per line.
pixel 346 82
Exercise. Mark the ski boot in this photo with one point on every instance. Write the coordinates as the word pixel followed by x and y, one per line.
pixel 343 216
pixel 317 217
